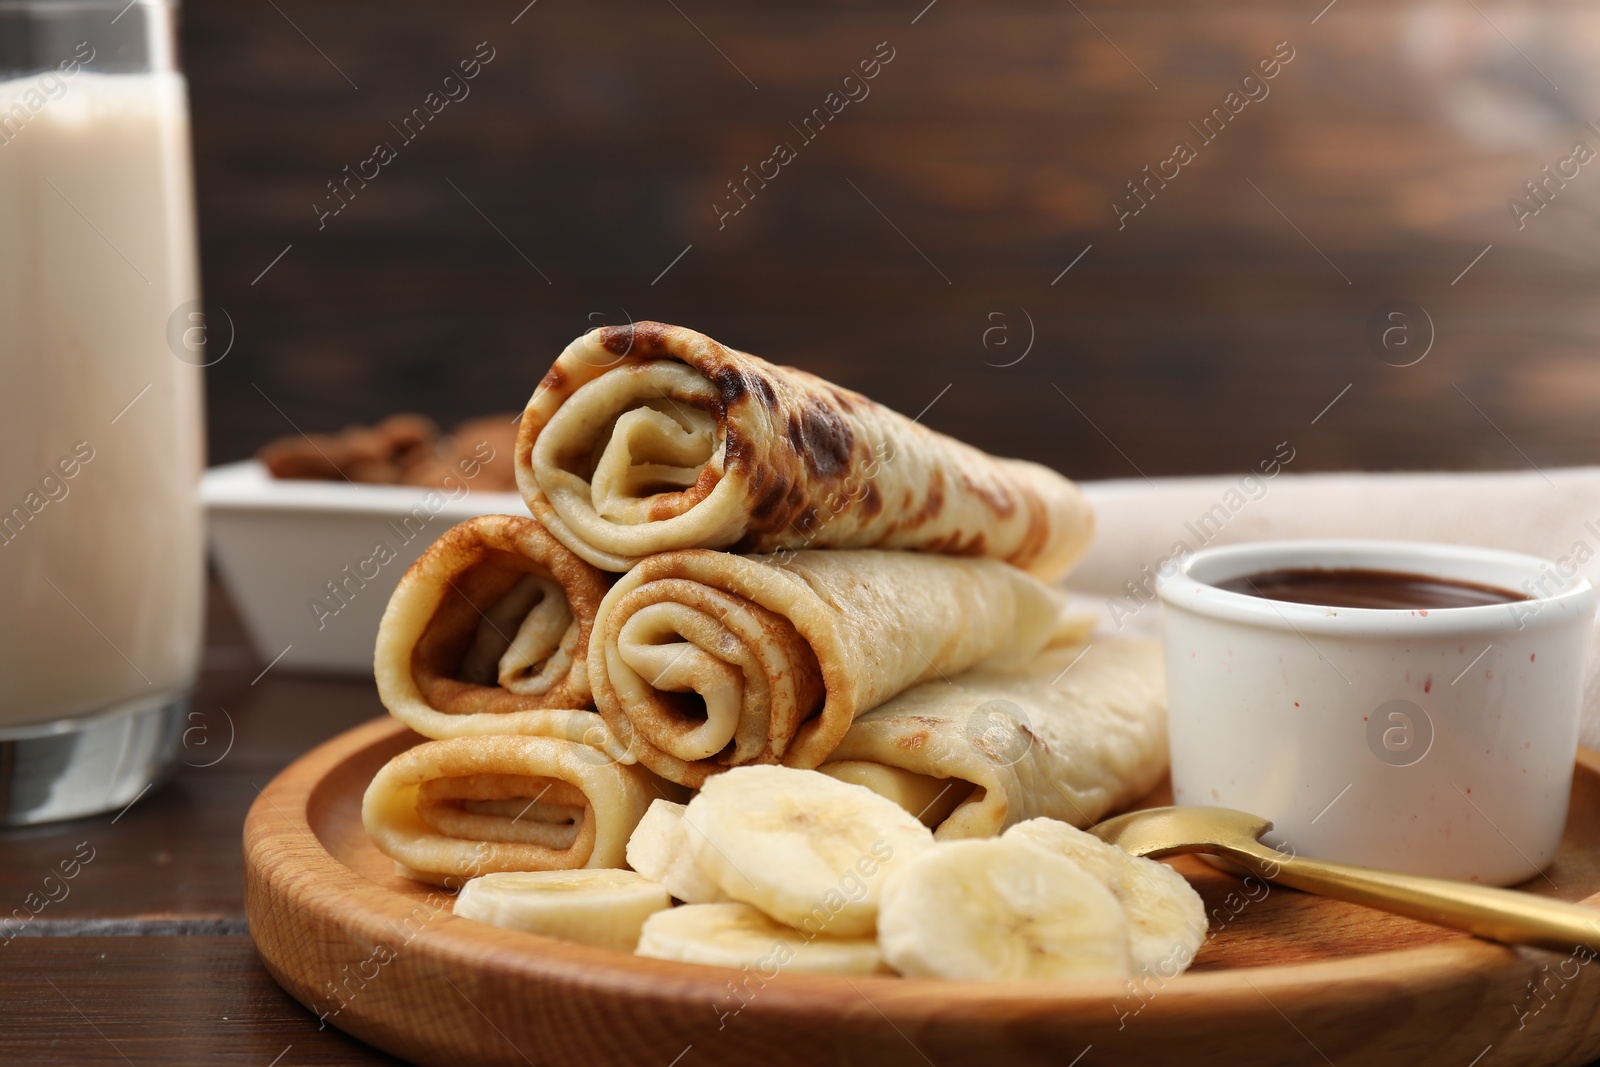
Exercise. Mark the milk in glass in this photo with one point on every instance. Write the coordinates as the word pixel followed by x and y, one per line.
pixel 101 559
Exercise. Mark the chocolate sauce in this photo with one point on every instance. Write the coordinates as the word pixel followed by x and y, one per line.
pixel 1358 587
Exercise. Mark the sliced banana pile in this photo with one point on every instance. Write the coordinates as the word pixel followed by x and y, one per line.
pixel 807 849
pixel 784 869
pixel 1166 917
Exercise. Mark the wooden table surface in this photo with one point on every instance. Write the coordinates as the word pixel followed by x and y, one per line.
pixel 147 959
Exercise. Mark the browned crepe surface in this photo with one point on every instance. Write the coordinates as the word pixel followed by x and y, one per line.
pixel 649 438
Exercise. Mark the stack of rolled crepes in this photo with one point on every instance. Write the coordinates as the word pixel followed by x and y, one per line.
pixel 732 562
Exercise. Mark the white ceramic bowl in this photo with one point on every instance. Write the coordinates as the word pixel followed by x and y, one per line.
pixel 1438 742
pixel 310 564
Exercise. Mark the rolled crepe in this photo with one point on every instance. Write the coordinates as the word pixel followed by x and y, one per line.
pixel 649 438
pixel 1076 734
pixel 488 632
pixel 467 806
pixel 705 660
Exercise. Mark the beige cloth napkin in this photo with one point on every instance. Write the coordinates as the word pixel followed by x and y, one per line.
pixel 1554 514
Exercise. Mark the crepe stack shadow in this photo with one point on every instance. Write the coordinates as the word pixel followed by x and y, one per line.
pixel 731 562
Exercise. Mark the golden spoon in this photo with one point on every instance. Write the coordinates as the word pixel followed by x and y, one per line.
pixel 1497 914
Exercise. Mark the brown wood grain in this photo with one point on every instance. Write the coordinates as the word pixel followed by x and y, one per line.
pixel 1287 978
pixel 1207 330
pixel 193 1000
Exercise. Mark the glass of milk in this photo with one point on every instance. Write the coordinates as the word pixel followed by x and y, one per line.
pixel 101 565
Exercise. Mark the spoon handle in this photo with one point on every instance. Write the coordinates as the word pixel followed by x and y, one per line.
pixel 1498 914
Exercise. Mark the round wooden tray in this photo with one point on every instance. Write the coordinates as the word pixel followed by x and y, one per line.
pixel 1287 978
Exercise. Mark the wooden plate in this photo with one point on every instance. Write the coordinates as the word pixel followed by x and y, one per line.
pixel 1286 978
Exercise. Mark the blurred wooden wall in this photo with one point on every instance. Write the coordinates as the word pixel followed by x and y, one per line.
pixel 918 242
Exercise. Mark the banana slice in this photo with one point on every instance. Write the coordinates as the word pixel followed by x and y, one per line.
pixel 996 909
pixel 597 906
pixel 1166 917
pixel 808 850
pixel 737 935
pixel 659 851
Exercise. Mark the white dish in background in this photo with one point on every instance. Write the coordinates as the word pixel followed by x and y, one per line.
pixel 310 564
